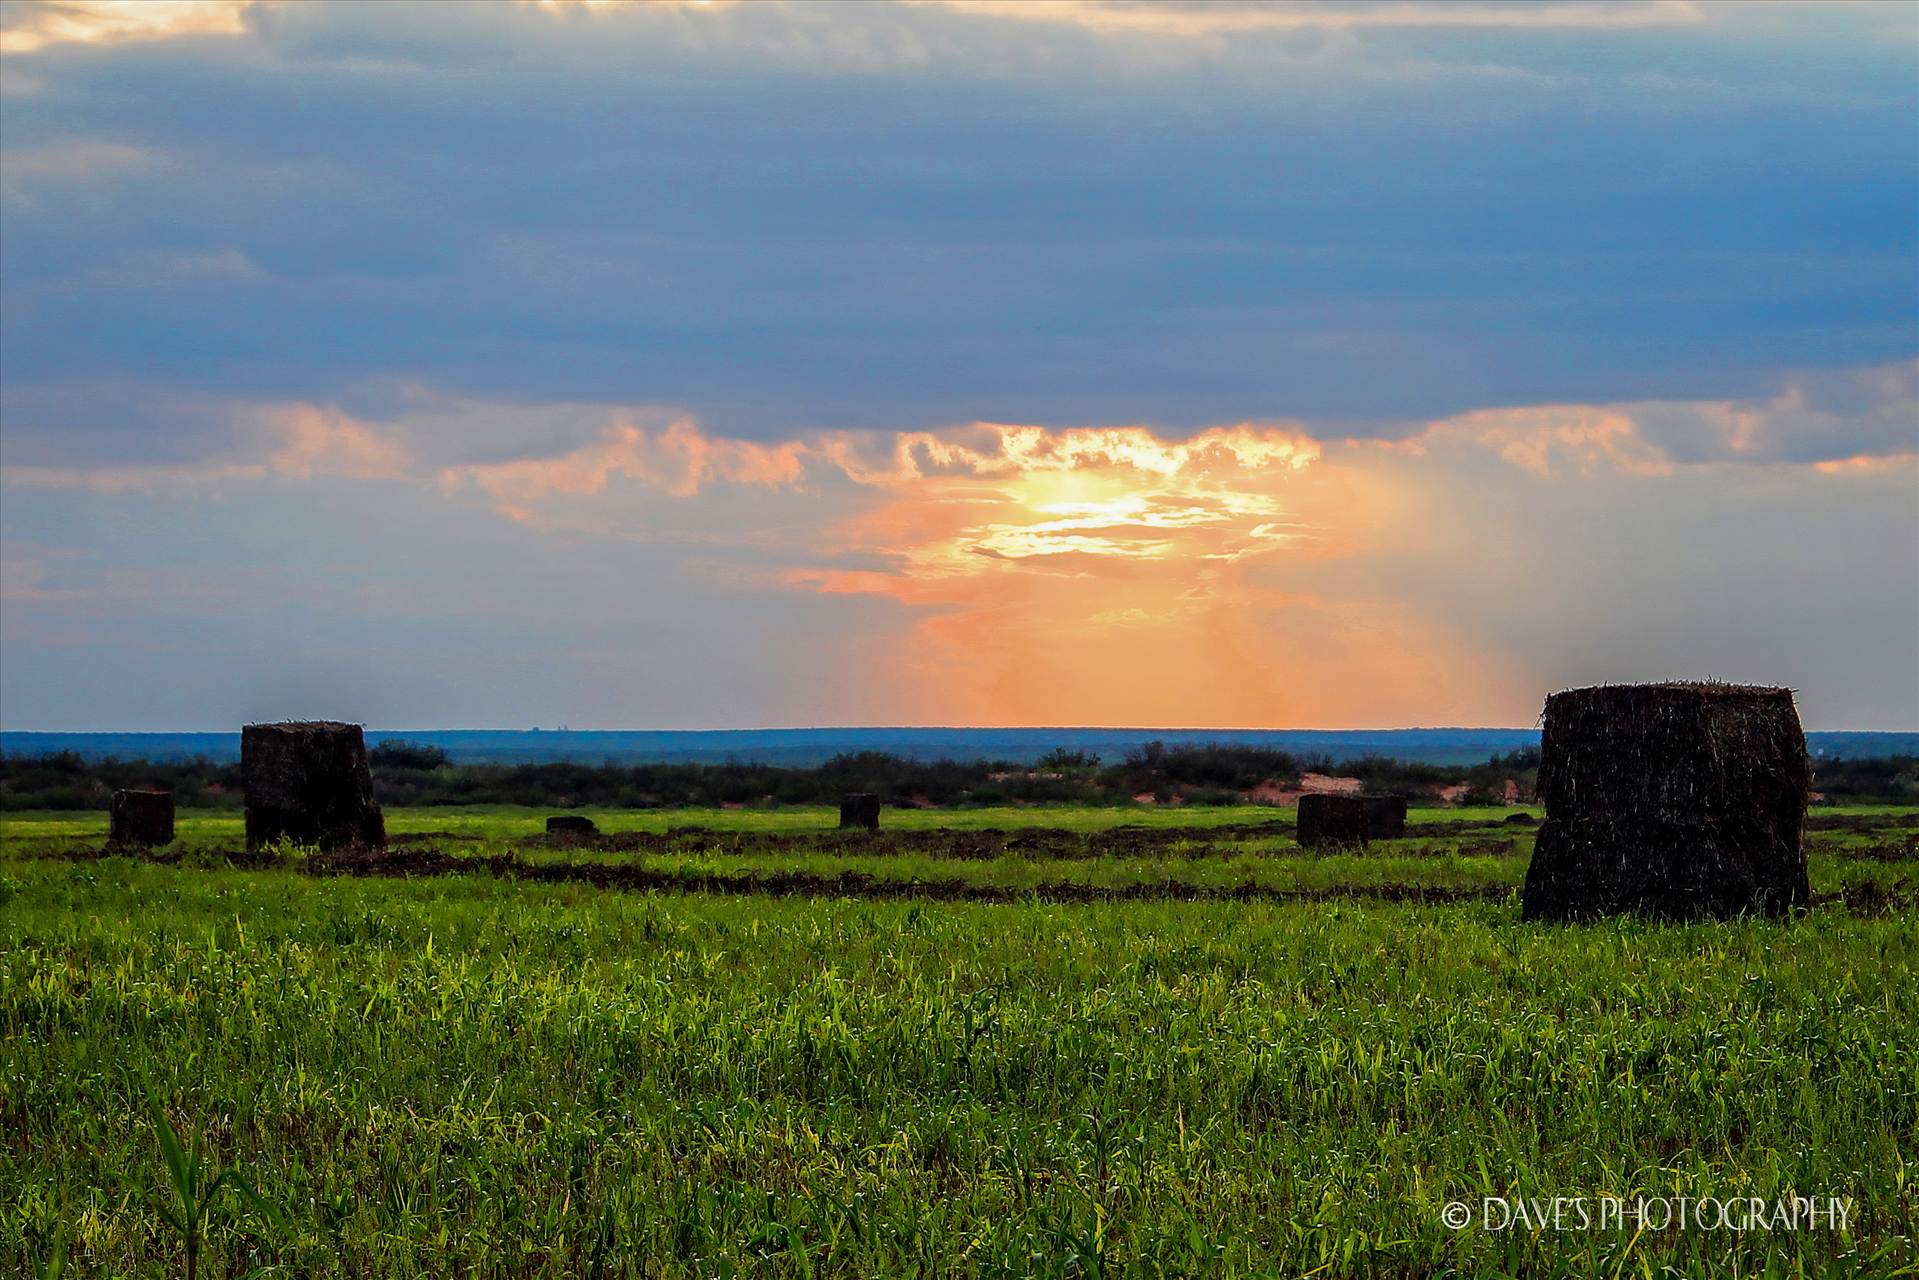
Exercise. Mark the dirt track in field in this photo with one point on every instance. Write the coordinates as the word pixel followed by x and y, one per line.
pixel 404 861
pixel 1040 843
pixel 859 884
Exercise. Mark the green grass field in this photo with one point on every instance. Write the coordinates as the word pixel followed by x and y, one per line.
pixel 471 1070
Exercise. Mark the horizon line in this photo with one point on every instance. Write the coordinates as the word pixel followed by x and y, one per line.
pixel 878 728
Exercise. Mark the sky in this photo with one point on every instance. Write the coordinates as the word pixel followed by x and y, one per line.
pixel 680 365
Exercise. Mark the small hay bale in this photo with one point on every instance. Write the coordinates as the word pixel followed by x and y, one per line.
pixel 571 824
pixel 141 818
pixel 308 782
pixel 860 811
pixel 1676 801
pixel 1339 819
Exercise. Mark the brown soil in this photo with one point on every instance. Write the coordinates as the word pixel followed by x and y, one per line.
pixel 990 842
pixel 1862 822
pixel 1884 851
pixel 418 862
pixel 1870 899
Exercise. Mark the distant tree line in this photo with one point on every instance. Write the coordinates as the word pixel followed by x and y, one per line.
pixel 67 780
pixel 1891 779
pixel 410 773
pixel 1484 783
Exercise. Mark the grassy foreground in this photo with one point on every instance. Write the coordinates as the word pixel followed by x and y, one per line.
pixel 470 1074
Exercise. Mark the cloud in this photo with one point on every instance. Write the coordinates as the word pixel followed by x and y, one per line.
pixel 74 160
pixel 320 441
pixel 30 28
pixel 1101 575
pixel 1832 419
pixel 26 173
pixel 1021 220
pixel 1883 464
pixel 168 270
pixel 1543 439
pixel 987 32
pixel 974 501
pixel 996 449
pixel 1151 361
pixel 1104 491
pixel 998 573
pixel 678 460
pixel 1196 20
pixel 27 573
pixel 1113 491
pixel 1256 576
pixel 293 442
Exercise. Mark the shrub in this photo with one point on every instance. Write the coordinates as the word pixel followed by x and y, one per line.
pixel 399 753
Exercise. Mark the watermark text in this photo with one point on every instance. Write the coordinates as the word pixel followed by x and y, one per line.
pixel 1650 1213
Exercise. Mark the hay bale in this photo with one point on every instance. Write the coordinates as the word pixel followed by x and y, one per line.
pixel 860 811
pixel 141 818
pixel 308 782
pixel 571 824
pixel 1677 801
pixel 1342 819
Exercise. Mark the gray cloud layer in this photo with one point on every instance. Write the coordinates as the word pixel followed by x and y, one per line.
pixel 785 216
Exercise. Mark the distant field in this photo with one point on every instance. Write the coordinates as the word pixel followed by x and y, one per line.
pixel 786 1052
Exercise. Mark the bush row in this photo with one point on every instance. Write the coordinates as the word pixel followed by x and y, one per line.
pixel 415 774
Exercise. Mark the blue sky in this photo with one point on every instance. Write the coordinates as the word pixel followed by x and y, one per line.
pixel 541 362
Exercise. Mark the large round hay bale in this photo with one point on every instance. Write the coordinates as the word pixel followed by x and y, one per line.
pixel 142 818
pixel 308 782
pixel 860 811
pixel 1677 801
pixel 1343 819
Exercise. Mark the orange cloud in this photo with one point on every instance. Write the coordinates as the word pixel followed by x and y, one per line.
pixel 1246 575
pixel 1092 574
pixel 1868 464
pixel 1077 501
pixel 32 27
pixel 1101 575
pixel 1832 416
pixel 1185 20
pixel 1544 439
pixel 677 460
pixel 322 441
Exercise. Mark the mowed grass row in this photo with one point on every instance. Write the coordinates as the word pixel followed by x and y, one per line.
pixel 470 1075
pixel 1221 850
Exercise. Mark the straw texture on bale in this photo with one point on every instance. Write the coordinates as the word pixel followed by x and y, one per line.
pixel 1336 819
pixel 571 824
pixel 308 782
pixel 1676 801
pixel 860 811
pixel 143 818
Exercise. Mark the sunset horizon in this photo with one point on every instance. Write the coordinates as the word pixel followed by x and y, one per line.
pixel 727 364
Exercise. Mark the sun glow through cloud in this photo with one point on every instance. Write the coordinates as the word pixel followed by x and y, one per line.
pixel 1244 575
pixel 1093 574
pixel 1036 567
